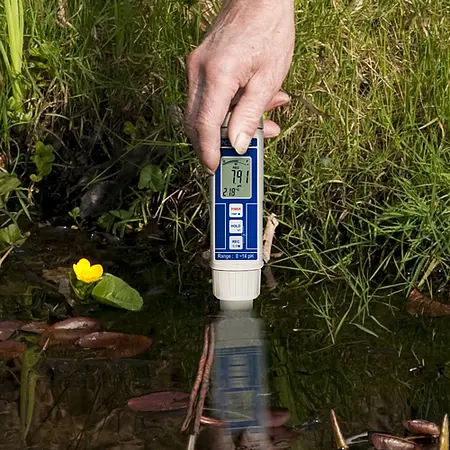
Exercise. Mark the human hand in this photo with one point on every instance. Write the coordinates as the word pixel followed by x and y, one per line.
pixel 243 61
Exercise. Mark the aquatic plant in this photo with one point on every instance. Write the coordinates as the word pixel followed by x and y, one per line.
pixel 89 282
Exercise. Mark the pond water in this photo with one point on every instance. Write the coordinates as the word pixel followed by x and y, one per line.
pixel 373 381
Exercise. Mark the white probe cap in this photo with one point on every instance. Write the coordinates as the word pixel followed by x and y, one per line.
pixel 236 290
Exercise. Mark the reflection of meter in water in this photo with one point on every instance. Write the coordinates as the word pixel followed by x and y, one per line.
pixel 236 192
pixel 239 365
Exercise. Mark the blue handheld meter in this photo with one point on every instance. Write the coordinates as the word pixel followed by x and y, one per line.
pixel 236 222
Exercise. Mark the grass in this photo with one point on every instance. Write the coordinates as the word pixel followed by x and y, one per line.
pixel 359 177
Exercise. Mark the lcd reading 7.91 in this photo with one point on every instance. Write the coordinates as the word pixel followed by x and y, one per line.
pixel 236 177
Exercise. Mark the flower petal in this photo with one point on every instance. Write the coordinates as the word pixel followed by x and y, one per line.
pixel 82 268
pixel 96 271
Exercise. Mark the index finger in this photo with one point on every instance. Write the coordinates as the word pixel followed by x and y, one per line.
pixel 213 107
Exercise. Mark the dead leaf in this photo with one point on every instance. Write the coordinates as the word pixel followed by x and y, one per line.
pixel 419 304
pixel 388 442
pixel 269 233
pixel 160 402
pixel 11 349
pixel 419 426
pixel 116 345
pixel 338 436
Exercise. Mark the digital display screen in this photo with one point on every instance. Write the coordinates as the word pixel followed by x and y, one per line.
pixel 236 177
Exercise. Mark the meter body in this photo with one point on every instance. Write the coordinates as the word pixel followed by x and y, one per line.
pixel 236 195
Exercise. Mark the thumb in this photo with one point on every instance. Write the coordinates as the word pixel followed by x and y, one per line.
pixel 247 113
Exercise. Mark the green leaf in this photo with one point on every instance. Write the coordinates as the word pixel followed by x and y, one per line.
pixel 28 388
pixel 113 291
pixel 11 235
pixel 8 183
pixel 43 157
pixel 129 129
pixel 122 214
pixel 151 178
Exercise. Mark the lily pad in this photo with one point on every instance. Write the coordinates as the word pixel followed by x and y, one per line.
pixel 113 291
pixel 8 327
pixel 419 426
pixel 11 349
pixel 278 417
pixel 116 345
pixel 160 402
pixel 35 327
pixel 70 330
pixel 388 442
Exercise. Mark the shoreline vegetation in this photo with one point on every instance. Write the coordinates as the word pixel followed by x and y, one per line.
pixel 91 103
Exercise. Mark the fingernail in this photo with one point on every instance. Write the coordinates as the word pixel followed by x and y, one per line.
pixel 271 135
pixel 242 142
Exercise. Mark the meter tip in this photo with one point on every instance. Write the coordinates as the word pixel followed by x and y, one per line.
pixel 236 305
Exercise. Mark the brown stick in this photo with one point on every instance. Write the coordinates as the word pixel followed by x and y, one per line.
pixel 205 382
pixel 198 380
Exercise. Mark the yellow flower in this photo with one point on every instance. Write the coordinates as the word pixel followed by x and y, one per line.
pixel 87 273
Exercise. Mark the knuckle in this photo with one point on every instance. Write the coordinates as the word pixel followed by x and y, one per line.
pixel 220 68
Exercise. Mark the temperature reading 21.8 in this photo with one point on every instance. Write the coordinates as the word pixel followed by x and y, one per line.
pixel 236 177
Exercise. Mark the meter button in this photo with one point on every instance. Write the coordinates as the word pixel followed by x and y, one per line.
pixel 235 242
pixel 236 210
pixel 236 227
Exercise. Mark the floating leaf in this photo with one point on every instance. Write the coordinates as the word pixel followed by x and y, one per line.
pixel 160 402
pixel 419 426
pixel 278 417
pixel 283 434
pixel 8 183
pixel 113 291
pixel 419 304
pixel 78 323
pixel 116 345
pixel 70 330
pixel 8 327
pixel 34 327
pixel 443 438
pixel 338 436
pixel 6 333
pixel 388 442
pixel 151 178
pixel 11 349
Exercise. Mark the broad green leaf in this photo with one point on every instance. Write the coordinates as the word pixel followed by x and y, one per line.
pixel 8 183
pixel 151 178
pixel 113 291
pixel 11 235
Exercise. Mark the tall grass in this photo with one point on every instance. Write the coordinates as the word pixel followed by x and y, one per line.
pixel 360 175
pixel 13 61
